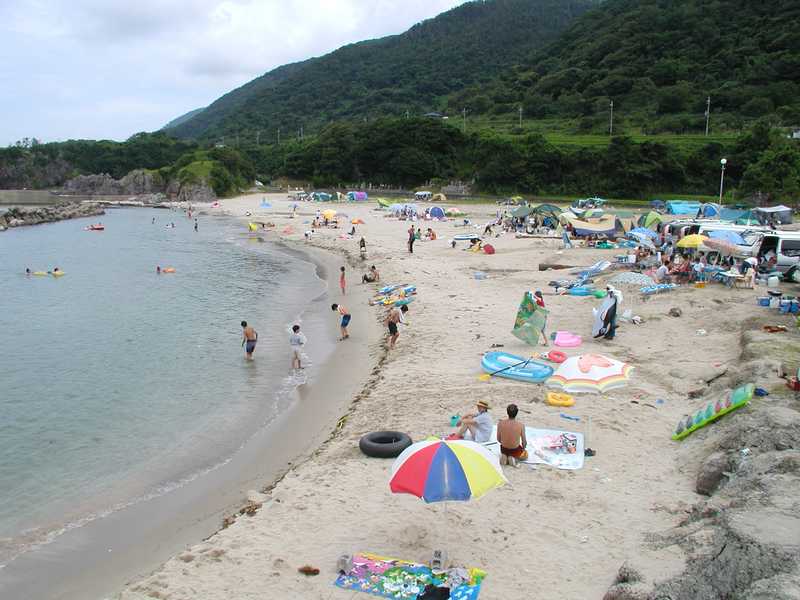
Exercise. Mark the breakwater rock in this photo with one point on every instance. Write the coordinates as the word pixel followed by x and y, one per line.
pixel 19 217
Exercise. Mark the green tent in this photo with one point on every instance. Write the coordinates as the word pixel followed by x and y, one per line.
pixel 650 220
pixel 548 209
pixel 522 211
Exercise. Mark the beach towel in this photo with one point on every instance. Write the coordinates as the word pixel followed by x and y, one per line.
pixel 403 580
pixel 531 320
pixel 545 448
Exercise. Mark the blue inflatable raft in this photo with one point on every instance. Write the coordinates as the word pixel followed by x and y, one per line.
pixel 532 372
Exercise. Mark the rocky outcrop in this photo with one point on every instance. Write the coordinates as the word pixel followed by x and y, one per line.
pixel 139 183
pixel 26 172
pixel 19 217
pixel 134 183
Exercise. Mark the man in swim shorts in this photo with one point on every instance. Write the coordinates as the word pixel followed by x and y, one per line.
pixel 249 339
pixel 345 314
pixel 394 318
pixel 511 437
pixel 372 276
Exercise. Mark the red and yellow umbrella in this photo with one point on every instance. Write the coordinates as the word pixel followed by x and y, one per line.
pixel 440 471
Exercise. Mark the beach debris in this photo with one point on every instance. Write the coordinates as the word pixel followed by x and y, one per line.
pixel 774 328
pixel 701 332
pixel 308 570
pixel 569 417
pixel 675 312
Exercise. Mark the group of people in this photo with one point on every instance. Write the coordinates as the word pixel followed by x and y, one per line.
pixel 296 342
pixel 416 235
pixel 478 426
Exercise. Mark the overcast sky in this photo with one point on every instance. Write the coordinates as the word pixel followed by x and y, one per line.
pixel 105 69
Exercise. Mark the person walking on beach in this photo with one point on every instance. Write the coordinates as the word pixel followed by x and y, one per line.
pixel 393 319
pixel 342 282
pixel 249 339
pixel 411 238
pixel 511 437
pixel 297 340
pixel 345 314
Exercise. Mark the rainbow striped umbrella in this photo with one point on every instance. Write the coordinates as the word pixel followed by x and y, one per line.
pixel 590 373
pixel 441 471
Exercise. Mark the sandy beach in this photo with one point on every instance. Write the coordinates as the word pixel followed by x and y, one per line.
pixel 548 532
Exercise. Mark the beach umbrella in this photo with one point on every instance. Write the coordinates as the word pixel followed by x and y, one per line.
pixel 357 222
pixel 728 236
pixel 692 241
pixel 590 373
pixel 329 214
pixel 446 470
pixel 724 247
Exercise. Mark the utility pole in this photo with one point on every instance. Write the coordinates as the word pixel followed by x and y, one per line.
pixel 279 136
pixel 520 117
pixel 464 112
pixel 237 140
pixel 708 113
pixel 258 137
pixel 406 115
pixel 611 119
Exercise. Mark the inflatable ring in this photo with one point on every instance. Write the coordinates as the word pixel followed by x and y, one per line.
pixel 556 356
pixel 554 399
pixel 168 270
pixel 384 444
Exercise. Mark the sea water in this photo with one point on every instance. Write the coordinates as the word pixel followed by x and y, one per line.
pixel 118 384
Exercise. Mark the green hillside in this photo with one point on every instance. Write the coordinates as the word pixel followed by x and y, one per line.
pixel 414 71
pixel 658 61
pixel 183 118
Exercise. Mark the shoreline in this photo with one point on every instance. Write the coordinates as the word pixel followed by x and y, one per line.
pixel 200 508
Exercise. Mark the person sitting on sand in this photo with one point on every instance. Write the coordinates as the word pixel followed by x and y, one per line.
pixel 662 273
pixel 511 437
pixel 372 276
pixel 430 234
pixel 345 314
pixel 477 426
pixel 475 245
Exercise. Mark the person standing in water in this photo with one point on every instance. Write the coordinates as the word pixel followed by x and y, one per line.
pixel 195 224
pixel 342 282
pixel 249 339
pixel 345 320
pixel 297 340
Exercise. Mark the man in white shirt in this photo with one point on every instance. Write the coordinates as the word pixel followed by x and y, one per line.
pixel 662 273
pixel 477 427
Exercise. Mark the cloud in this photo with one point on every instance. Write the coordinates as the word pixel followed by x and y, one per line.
pixel 108 69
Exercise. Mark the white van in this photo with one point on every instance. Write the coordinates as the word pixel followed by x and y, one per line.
pixel 786 247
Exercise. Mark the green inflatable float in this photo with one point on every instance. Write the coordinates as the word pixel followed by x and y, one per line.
pixel 713 411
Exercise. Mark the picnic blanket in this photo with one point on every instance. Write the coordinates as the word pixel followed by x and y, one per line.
pixel 543 448
pixel 404 580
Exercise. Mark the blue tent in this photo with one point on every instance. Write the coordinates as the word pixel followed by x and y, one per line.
pixel 709 210
pixel 437 212
pixel 682 207
pixel 730 214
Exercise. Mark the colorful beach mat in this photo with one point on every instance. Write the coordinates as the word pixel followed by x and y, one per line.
pixel 549 447
pixel 403 580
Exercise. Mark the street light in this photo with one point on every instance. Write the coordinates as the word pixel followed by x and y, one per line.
pixel 722 163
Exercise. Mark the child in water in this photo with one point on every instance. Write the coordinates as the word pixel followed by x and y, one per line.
pixel 297 340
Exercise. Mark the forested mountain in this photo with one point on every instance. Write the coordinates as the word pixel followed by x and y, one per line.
pixel 183 118
pixel 659 60
pixel 413 71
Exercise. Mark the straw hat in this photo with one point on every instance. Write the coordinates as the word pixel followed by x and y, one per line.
pixel 483 404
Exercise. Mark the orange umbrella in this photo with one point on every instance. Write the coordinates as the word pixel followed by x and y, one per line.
pixel 357 222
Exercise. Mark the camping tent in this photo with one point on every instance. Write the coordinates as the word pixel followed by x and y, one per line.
pixel 401 208
pixel 436 212
pixel 522 211
pixel 650 220
pixel 423 196
pixel 357 196
pixel 439 198
pixel 683 207
pixel 709 210
pixel 606 225
pixel 321 197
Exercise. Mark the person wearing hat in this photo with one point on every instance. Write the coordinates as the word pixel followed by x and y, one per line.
pixel 477 427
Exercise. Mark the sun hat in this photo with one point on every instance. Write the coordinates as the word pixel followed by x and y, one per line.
pixel 483 404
